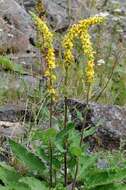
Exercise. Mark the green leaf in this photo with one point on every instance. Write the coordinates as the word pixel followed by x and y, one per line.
pixel 50 133
pixel 101 177
pixel 18 186
pixel 75 151
pixel 41 152
pixel 86 163
pixel 70 125
pixel 56 164
pixel 8 174
pixel 27 157
pixel 59 141
pixel 33 183
pixel 15 186
pixel 45 135
pixel 89 132
pixel 4 188
pixel 110 187
pixel 74 138
pixel 62 135
pixel 79 115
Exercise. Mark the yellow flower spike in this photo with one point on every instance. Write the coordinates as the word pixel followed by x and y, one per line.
pixel 88 51
pixel 81 30
pixel 47 37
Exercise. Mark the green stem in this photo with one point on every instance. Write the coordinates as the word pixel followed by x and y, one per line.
pixel 81 138
pixel 65 127
pixel 50 147
pixel 65 142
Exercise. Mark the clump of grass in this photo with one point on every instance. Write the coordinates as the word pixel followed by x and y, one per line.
pixel 8 65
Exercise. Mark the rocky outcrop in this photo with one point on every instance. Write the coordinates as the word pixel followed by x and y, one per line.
pixel 15 15
pixel 110 122
pixel 17 35
pixel 11 129
pixel 16 29
pixel 14 113
pixel 28 4
pixel 12 40
pixel 61 13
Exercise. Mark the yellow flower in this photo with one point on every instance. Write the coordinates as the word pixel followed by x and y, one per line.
pixel 47 45
pixel 88 51
pixel 81 30
pixel 39 7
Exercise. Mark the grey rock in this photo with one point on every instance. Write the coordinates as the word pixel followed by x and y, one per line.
pixel 14 14
pixel 16 28
pixel 14 113
pixel 61 13
pixel 28 4
pixel 110 121
pixel 11 129
pixel 12 40
pixel 30 61
pixel 23 83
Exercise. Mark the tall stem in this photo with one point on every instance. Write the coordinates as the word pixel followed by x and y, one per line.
pixel 65 127
pixel 65 142
pixel 82 136
pixel 50 146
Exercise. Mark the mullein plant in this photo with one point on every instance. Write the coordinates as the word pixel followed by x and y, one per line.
pixel 48 50
pixel 81 31
pixel 46 47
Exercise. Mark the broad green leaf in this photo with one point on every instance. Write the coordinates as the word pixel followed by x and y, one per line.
pixel 34 183
pixel 4 188
pixel 19 186
pixel 41 152
pixel 51 133
pixel 62 135
pixel 27 157
pixel 10 178
pixel 86 163
pixel 74 138
pixel 110 187
pixel 8 174
pixel 75 151
pixel 59 145
pixel 103 177
pixel 45 135
pixel 59 141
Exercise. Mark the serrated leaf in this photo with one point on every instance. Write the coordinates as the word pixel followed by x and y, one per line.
pixel 103 177
pixel 86 163
pixel 33 183
pixel 28 158
pixel 7 174
pixel 45 135
pixel 110 187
